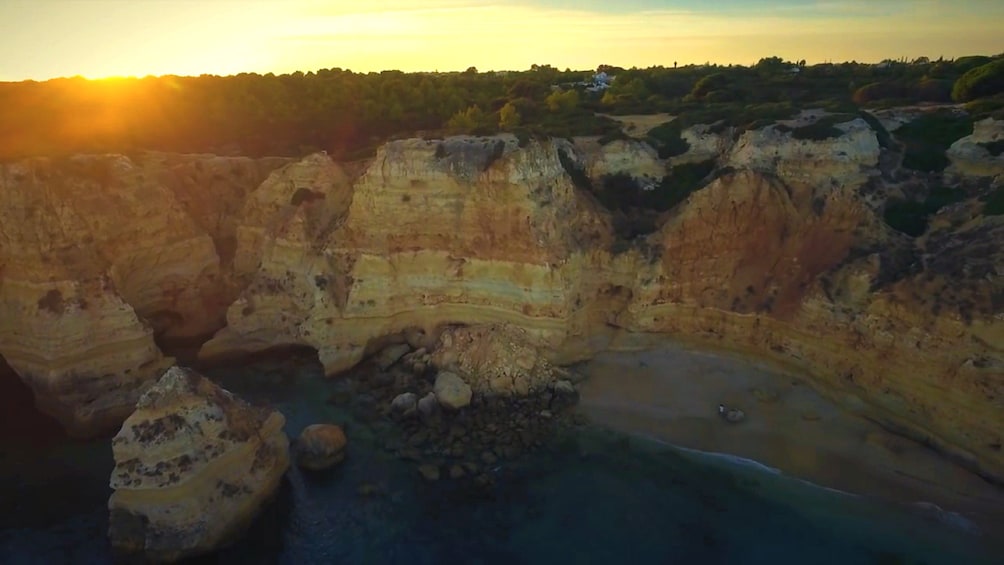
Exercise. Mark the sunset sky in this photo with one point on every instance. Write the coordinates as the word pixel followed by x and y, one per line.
pixel 41 39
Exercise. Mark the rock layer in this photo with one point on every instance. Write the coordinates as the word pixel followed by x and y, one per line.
pixel 193 466
pixel 783 254
pixel 98 255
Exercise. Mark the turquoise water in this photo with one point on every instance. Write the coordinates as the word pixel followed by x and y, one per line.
pixel 591 497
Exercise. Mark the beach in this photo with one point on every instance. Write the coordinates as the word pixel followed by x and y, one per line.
pixel 670 392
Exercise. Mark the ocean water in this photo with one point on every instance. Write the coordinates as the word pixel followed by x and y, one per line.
pixel 593 496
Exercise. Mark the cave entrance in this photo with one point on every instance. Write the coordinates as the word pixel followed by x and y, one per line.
pixel 20 422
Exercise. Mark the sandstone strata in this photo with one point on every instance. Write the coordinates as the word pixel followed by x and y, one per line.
pixel 193 466
pixel 98 255
pixel 782 254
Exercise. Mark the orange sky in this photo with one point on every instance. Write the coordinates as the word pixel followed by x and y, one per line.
pixel 41 39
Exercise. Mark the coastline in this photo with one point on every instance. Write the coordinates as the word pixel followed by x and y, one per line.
pixel 669 393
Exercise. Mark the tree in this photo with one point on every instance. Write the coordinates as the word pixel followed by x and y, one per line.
pixel 467 121
pixel 562 101
pixel 509 117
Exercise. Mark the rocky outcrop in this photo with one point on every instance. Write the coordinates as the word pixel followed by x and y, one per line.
pixel 495 359
pixel 193 466
pixel 626 157
pixel 479 231
pixel 980 154
pixel 100 254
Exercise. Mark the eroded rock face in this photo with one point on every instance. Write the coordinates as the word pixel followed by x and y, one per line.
pixel 193 465
pixel 432 233
pixel 98 255
pixel 980 154
pixel 783 255
pixel 495 359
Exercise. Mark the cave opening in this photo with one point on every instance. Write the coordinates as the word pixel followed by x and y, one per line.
pixel 21 423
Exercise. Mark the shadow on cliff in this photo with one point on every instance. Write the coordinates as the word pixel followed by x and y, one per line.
pixel 20 422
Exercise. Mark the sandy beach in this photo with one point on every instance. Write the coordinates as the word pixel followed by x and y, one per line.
pixel 671 392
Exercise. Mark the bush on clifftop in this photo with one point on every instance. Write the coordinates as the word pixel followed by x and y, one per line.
pixel 986 80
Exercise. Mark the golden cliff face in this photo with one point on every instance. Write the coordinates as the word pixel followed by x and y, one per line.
pixel 466 230
pixel 97 256
pixel 782 255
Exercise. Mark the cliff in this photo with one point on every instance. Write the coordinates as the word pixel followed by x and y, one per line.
pixel 99 254
pixel 780 251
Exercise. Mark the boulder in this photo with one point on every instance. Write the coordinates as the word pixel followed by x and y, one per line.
pixel 193 466
pixel 320 447
pixel 392 354
pixel 404 404
pixel 451 391
pixel 428 405
pixel 565 393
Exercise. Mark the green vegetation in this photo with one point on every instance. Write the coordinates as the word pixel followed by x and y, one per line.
pixel 911 217
pixel 929 136
pixel 884 137
pixel 667 140
pixel 348 114
pixel 985 80
pixel 821 129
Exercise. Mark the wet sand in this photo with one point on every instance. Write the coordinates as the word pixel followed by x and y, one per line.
pixel 671 393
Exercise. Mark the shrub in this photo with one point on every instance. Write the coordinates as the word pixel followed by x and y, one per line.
pixel 822 128
pixel 884 139
pixel 927 137
pixel 911 217
pixel 985 80
pixel 878 91
pixel 712 82
pixel 667 140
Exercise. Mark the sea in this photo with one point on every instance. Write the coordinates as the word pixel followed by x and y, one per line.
pixel 590 496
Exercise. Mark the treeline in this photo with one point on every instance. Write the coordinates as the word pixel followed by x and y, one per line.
pixel 348 114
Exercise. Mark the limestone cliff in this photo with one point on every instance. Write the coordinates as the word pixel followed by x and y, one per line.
pixel 474 230
pixel 193 466
pixel 781 252
pixel 97 256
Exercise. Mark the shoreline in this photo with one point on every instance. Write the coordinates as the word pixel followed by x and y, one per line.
pixel 669 393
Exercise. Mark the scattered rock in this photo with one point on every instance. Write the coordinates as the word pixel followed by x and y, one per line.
pixel 320 447
pixel 457 472
pixel 734 415
pixel 193 466
pixel 404 404
pixel 428 405
pixel 564 393
pixel 390 355
pixel 451 391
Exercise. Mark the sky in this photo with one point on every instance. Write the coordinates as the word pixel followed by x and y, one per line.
pixel 41 39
